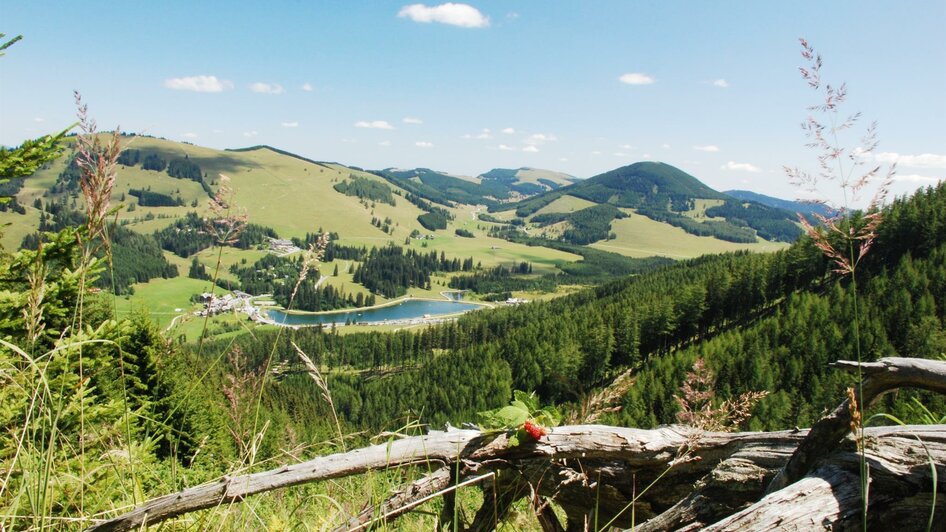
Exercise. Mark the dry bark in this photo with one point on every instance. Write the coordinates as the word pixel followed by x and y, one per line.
pixel 665 478
pixel 881 377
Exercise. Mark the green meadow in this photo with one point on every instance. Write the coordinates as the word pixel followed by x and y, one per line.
pixel 639 236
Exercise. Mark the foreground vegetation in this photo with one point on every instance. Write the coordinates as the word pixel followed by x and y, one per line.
pixel 759 321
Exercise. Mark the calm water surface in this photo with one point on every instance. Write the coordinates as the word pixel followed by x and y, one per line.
pixel 406 310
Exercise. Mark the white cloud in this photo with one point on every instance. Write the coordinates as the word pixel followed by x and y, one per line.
pixel 307 87
pixel 619 154
pixel 384 143
pixel 636 78
pixel 412 120
pixel 626 147
pixel 249 134
pixel 509 131
pixel 266 88
pixel 423 144
pixel 347 140
pixel 289 124
pixel 645 156
pixel 531 149
pixel 374 124
pixel 463 15
pixel 721 83
pixel 596 152
pixel 217 131
pixel 925 160
pixel 665 146
pixel 484 134
pixel 189 135
pixel 504 147
pixel 708 148
pixel 740 167
pixel 537 139
pixel 39 119
pixel 198 84
pixel 914 178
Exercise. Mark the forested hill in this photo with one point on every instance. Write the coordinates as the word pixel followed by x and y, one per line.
pixel 667 194
pixel 491 188
pixel 788 205
pixel 643 184
pixel 761 322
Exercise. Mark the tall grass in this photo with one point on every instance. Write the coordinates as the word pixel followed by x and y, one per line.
pixel 846 236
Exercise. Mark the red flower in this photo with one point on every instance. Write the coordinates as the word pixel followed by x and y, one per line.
pixel 536 431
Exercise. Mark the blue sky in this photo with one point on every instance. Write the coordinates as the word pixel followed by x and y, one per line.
pixel 710 87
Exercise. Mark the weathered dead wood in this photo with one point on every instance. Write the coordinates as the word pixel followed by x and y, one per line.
pixel 401 501
pixel 634 448
pixel 435 447
pixel 883 376
pixel 703 476
pixel 829 497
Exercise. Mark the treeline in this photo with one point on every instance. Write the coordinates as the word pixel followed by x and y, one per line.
pixel 586 225
pixel 770 223
pixel 135 258
pixel 435 219
pixel 365 188
pixel 178 167
pixel 8 191
pixel 390 271
pixel 254 235
pixel 728 231
pixel 280 276
pixel 186 236
pixel 147 198
pixel 500 281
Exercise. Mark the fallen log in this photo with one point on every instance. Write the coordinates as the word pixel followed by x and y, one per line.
pixel 647 451
pixel 900 461
pixel 880 377
pixel 667 478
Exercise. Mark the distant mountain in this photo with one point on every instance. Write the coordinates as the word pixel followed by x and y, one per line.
pixel 491 188
pixel 791 206
pixel 667 194
pixel 548 179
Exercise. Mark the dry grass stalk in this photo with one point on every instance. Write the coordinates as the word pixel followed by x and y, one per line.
pixel 33 311
pixel 240 389
pixel 312 257
pixel 856 420
pixel 698 407
pixel 322 384
pixel 227 221
pixel 602 402
pixel 98 164
pixel 843 240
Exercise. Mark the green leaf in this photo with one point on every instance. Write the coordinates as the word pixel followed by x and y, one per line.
pixel 529 399
pixel 512 416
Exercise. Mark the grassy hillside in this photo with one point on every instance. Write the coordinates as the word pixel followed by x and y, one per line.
pixel 639 236
pixel 565 203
